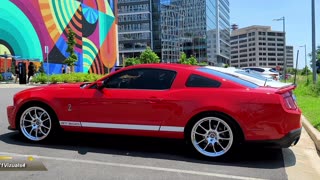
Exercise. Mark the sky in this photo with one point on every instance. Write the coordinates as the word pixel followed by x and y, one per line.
pixel 297 15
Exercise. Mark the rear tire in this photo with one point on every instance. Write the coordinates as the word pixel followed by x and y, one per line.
pixel 212 136
pixel 37 123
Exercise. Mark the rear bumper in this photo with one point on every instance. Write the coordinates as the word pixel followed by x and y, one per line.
pixel 290 139
pixel 11 117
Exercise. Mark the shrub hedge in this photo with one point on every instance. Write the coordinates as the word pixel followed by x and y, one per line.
pixel 65 78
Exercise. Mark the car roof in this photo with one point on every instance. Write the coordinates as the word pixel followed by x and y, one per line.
pixel 164 65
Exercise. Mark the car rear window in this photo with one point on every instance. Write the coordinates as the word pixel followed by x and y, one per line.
pixel 228 77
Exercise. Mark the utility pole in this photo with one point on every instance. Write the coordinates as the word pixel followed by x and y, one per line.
pixel 313 22
pixel 283 19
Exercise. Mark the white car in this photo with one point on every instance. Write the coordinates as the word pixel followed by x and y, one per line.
pixel 251 76
pixel 265 71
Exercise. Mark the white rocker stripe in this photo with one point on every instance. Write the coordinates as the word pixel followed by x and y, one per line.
pixel 70 123
pixel 172 128
pixel 120 126
pixel 123 126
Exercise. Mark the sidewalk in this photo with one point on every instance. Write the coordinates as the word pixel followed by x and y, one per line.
pixel 302 161
pixel 14 85
pixel 313 132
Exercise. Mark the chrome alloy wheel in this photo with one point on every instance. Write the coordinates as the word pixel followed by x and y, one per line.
pixel 35 123
pixel 212 136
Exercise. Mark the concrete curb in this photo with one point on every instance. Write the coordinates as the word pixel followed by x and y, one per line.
pixel 313 132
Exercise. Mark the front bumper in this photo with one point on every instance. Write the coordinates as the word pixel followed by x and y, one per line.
pixel 291 139
pixel 11 117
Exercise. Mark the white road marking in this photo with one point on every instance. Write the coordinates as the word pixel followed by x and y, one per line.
pixel 136 166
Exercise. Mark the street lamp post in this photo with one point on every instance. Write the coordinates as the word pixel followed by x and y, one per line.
pixel 313 22
pixel 305 59
pixel 284 46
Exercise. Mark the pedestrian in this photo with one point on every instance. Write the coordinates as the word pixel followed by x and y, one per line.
pixel 68 70
pixel 17 72
pixel 31 70
pixel 63 69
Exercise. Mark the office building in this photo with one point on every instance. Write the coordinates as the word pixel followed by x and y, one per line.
pixel 134 27
pixel 259 46
pixel 289 56
pixel 200 28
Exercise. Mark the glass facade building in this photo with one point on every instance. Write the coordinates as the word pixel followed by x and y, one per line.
pixel 200 28
pixel 134 27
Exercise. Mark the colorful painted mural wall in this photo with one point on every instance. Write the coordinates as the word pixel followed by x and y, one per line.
pixel 27 26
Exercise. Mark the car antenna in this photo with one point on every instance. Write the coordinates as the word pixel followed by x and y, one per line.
pixel 265 81
pixel 295 73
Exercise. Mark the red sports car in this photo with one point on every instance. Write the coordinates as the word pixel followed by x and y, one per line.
pixel 214 112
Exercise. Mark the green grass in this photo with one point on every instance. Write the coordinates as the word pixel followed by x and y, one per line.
pixel 308 99
pixel 310 107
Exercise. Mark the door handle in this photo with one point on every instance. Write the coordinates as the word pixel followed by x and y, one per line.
pixel 154 99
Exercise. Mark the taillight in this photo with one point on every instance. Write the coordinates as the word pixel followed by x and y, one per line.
pixel 289 102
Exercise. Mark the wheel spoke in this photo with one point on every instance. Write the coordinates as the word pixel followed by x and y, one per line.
pixel 201 141
pixel 42 114
pixel 32 118
pixel 220 145
pixel 45 120
pixel 224 138
pixel 203 128
pixel 223 131
pixel 27 126
pixel 210 125
pixel 214 149
pixel 35 113
pixel 36 133
pixel 32 129
pixel 206 146
pixel 42 132
pixel 45 126
pixel 27 120
pixel 217 125
pixel 199 133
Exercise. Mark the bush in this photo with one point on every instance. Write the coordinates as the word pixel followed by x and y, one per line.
pixel 54 79
pixel 1 77
pixel 68 78
pixel 40 78
pixel 306 87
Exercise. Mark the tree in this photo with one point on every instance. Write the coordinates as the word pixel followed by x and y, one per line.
pixel 183 58
pixel 72 59
pixel 304 70
pixel 192 60
pixel 148 56
pixel 132 61
pixel 317 56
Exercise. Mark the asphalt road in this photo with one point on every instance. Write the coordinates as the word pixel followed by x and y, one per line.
pixel 94 156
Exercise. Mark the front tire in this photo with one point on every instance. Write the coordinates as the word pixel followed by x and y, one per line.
pixel 37 123
pixel 212 137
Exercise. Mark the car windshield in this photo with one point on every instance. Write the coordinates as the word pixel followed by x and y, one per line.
pixel 228 77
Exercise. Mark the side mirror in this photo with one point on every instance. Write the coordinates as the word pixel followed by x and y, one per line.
pixel 100 84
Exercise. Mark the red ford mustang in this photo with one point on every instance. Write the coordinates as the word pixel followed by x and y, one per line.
pixel 214 112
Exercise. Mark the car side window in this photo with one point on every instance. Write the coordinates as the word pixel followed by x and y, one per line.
pixel 195 80
pixel 144 78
